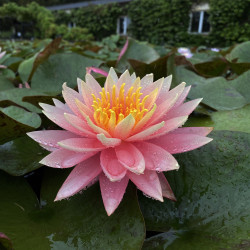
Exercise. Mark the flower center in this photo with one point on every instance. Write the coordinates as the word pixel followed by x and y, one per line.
pixel 112 108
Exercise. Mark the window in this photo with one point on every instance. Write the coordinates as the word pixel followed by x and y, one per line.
pixel 199 22
pixel 122 25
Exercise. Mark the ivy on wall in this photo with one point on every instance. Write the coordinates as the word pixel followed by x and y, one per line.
pixel 230 21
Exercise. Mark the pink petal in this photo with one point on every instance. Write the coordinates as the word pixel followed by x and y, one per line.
pixel 157 158
pixel 61 105
pixel 96 70
pixel 112 192
pixel 148 183
pixel 146 81
pixel 178 143
pixel 80 124
pixel 3 67
pixel 151 87
pixel 183 109
pixel 81 176
pixel 60 120
pixel 108 142
pixel 50 137
pixel 166 189
pixel 109 83
pixel 165 106
pixel 203 131
pixel 123 128
pixel 63 158
pixel 81 144
pixel 169 125
pixel 51 108
pixel 123 50
pixel 70 97
pixel 124 78
pixel 93 84
pixel 164 90
pixel 112 168
pixel 86 91
pixel 130 157
pixel 182 97
pixel 146 132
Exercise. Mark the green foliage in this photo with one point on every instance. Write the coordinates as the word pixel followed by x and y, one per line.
pixel 159 21
pixel 230 21
pixel 43 22
pixel 100 20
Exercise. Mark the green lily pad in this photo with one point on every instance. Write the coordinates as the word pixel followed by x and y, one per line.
pixel 15 96
pixel 217 93
pixel 212 190
pixel 5 83
pixel 20 156
pixel 25 68
pixel 240 52
pixel 15 121
pixel 242 85
pixel 139 51
pixel 78 223
pixel 60 68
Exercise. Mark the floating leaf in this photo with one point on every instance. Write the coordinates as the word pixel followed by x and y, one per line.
pixel 60 68
pixel 212 188
pixel 15 121
pixel 240 52
pixel 78 223
pixel 20 156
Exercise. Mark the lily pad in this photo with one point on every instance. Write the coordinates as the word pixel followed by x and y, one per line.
pixel 15 96
pixel 78 223
pixel 5 83
pixel 212 190
pixel 240 52
pixel 15 121
pixel 139 51
pixel 60 68
pixel 217 93
pixel 20 156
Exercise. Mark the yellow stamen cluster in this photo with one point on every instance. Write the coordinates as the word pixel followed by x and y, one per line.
pixel 112 108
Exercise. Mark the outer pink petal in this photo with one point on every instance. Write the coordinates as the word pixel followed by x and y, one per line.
pixel 112 168
pixel 110 82
pixel 166 105
pixel 157 158
pixel 124 78
pixel 166 189
pixel 108 142
pixel 182 97
pixel 148 183
pixel 86 91
pixel 164 90
pixel 81 144
pixel 80 124
pixel 178 143
pixel 203 131
pixel 151 87
pixel 59 119
pixel 94 85
pixel 169 125
pixel 61 105
pixel 50 137
pixel 146 132
pixel 183 109
pixel 146 80
pixel 63 158
pixel 130 157
pixel 70 97
pixel 51 108
pixel 81 176
pixel 112 192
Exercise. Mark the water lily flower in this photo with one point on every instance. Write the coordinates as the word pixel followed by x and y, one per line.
pixel 127 130
pixel 215 49
pixel 185 52
pixel 2 54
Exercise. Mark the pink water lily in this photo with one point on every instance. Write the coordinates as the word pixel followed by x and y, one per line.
pixel 127 130
pixel 2 54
